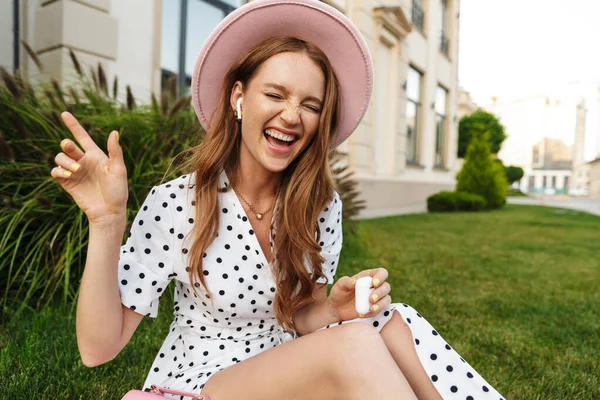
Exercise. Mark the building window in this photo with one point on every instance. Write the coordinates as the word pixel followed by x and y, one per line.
pixel 566 183
pixel 413 105
pixel 444 41
pixel 441 95
pixel 553 182
pixel 544 181
pixel 537 155
pixel 181 43
pixel 418 15
pixel 531 183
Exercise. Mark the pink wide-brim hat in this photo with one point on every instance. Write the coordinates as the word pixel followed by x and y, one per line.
pixel 308 20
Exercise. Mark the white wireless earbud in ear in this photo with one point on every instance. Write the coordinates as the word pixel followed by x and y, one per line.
pixel 238 105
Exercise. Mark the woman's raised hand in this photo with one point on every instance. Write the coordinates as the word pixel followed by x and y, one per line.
pixel 97 182
pixel 341 295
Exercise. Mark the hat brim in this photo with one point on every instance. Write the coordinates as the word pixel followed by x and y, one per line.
pixel 308 20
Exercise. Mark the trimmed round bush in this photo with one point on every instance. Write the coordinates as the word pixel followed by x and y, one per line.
pixel 469 201
pixel 455 201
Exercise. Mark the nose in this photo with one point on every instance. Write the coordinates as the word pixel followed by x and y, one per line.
pixel 290 114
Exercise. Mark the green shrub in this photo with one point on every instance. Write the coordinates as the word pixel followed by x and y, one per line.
pixel 513 174
pixel 476 123
pixel 516 193
pixel 454 201
pixel 481 175
pixel 500 184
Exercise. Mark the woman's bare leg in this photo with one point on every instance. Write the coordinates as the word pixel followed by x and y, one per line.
pixel 399 341
pixel 349 361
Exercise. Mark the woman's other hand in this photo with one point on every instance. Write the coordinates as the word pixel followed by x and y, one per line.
pixel 341 297
pixel 97 182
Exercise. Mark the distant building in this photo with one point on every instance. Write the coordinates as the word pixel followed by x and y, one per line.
pixel 580 178
pixel 594 177
pixel 550 168
pixel 552 154
pixel 466 106
pixel 535 127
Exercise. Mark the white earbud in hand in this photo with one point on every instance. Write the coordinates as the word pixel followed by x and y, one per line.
pixel 362 292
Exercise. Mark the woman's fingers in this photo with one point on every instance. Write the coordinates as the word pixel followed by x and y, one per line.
pixel 380 292
pixel 71 149
pixel 380 305
pixel 83 138
pixel 346 283
pixel 380 275
pixel 60 173
pixel 67 163
pixel 115 153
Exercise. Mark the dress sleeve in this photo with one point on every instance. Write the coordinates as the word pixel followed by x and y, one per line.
pixel 330 226
pixel 146 259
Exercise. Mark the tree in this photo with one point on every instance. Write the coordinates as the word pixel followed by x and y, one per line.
pixel 482 175
pixel 478 122
pixel 513 174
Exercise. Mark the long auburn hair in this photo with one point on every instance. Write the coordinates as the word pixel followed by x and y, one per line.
pixel 306 187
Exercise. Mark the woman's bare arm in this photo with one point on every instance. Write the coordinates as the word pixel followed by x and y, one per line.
pixel 104 325
pixel 315 315
pixel 97 182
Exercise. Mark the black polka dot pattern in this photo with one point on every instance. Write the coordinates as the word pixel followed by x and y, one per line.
pixel 237 320
pixel 451 375
pixel 143 275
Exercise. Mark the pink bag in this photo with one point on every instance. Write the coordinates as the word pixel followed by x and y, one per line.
pixel 157 391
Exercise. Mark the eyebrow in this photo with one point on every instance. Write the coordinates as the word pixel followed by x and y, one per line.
pixel 284 90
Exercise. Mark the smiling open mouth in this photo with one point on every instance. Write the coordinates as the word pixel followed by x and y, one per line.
pixel 278 139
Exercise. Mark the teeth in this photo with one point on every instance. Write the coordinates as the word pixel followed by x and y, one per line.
pixel 279 135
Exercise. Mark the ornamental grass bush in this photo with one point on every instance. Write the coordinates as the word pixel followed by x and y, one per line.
pixel 43 234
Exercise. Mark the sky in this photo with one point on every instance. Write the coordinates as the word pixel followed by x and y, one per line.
pixel 519 48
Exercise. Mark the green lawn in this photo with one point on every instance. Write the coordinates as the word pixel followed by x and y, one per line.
pixel 516 193
pixel 516 292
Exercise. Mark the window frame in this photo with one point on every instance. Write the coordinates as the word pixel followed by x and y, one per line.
pixel 412 146
pixel 183 79
pixel 445 27
pixel 441 130
pixel 418 15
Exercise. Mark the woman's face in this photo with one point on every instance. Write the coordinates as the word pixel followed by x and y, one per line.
pixel 281 107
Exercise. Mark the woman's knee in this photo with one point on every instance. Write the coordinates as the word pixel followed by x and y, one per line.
pixel 353 346
pixel 356 334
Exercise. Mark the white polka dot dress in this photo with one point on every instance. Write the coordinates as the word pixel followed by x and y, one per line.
pixel 451 375
pixel 238 320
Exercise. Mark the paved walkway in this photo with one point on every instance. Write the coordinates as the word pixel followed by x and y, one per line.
pixel 591 206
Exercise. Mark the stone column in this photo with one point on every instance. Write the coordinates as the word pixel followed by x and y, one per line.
pixel 579 133
pixel 85 26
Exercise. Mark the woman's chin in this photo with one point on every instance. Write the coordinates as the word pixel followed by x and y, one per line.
pixel 274 165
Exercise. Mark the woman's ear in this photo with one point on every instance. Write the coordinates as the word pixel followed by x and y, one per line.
pixel 236 94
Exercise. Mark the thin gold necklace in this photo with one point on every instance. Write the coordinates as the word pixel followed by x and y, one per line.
pixel 259 216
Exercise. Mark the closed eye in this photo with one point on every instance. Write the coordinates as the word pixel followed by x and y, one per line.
pixel 274 96
pixel 313 109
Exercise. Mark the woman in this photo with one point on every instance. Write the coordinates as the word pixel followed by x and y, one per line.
pixel 253 234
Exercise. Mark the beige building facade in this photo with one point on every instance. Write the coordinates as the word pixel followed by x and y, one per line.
pixel 404 149
pixel 594 178
pixel 466 105
pixel 122 35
